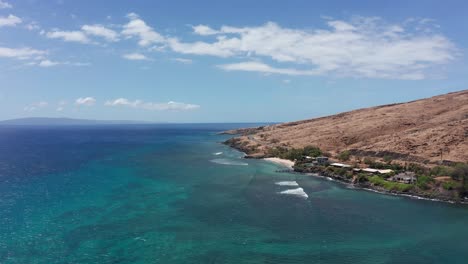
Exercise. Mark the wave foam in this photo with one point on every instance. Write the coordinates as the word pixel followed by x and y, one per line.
pixel 217 153
pixel 229 162
pixel 287 183
pixel 298 192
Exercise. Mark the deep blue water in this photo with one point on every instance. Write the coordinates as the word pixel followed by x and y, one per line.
pixel 160 194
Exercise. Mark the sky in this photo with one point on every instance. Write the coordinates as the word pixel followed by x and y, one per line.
pixel 225 61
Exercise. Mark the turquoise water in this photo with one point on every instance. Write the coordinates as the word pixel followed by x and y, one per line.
pixel 160 194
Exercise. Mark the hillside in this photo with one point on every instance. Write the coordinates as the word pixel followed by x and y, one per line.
pixel 427 130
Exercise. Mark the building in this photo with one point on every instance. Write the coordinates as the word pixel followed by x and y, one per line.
pixel 404 177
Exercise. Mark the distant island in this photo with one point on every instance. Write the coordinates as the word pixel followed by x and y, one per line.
pixel 418 148
pixel 63 121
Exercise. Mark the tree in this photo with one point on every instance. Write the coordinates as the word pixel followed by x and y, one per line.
pixel 460 173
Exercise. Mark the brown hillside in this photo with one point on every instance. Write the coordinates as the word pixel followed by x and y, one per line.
pixel 431 129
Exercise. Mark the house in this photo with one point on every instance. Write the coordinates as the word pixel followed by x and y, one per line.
pixel 322 160
pixel 404 177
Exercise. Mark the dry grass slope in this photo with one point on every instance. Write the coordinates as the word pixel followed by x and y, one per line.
pixel 429 129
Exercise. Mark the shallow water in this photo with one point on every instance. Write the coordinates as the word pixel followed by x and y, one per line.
pixel 153 194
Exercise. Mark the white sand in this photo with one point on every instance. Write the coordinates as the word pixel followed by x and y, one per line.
pixel 283 162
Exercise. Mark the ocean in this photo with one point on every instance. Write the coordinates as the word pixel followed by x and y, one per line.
pixel 173 194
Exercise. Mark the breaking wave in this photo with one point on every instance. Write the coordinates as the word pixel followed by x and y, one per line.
pixel 297 192
pixel 287 183
pixel 217 153
pixel 229 162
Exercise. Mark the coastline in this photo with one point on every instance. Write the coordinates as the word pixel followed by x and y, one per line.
pixel 377 189
pixel 362 186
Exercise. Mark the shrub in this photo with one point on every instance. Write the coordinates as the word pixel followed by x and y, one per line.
pixel 423 182
pixel 387 159
pixel 344 155
pixel 441 171
pixel 449 185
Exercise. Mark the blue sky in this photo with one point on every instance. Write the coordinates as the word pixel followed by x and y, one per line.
pixel 225 61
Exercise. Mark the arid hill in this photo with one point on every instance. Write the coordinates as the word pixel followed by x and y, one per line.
pixel 424 131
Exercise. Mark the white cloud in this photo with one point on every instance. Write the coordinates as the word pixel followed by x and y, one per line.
pixel 183 60
pixel 69 36
pixel 134 56
pixel 136 27
pixel 20 53
pixel 254 66
pixel 61 106
pixel 86 101
pixel 100 31
pixel 171 105
pixel 4 5
pixel 32 26
pixel 10 21
pixel 35 106
pixel 204 30
pixel 362 47
pixel 47 63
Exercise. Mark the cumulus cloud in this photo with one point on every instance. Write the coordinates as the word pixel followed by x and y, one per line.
pixel 35 106
pixel 362 47
pixel 136 27
pixel 85 101
pixel 5 5
pixel 134 56
pixel 20 53
pixel 101 31
pixel 171 105
pixel 9 21
pixel 69 36
pixel 204 30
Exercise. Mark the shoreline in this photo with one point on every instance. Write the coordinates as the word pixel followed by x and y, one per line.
pixel 318 172
pixel 283 162
pixel 369 188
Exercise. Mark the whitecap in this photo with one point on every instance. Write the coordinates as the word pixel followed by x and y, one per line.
pixel 217 153
pixel 229 162
pixel 298 192
pixel 287 183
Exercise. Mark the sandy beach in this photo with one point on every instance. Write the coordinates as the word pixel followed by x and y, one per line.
pixel 283 162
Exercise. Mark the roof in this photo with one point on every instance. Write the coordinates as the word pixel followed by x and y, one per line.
pixel 370 170
pixel 385 171
pixel 341 165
